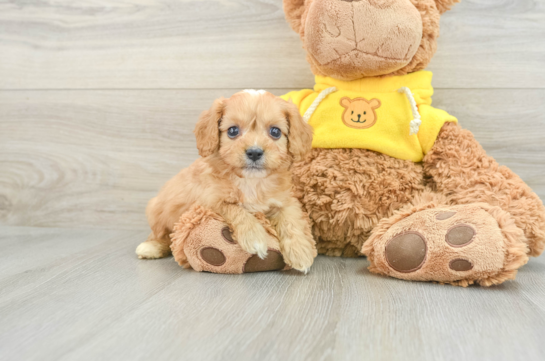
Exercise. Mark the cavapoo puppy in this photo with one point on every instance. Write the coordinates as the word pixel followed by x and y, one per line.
pixel 247 145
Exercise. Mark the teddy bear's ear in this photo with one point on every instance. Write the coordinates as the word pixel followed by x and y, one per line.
pixel 294 10
pixel 375 103
pixel 444 5
pixel 345 102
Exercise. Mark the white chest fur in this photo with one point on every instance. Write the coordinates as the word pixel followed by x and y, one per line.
pixel 255 192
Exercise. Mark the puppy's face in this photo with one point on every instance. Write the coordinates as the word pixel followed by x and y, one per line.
pixel 255 133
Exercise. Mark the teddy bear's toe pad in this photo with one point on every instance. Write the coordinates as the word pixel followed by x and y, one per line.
pixel 460 235
pixel 406 252
pixel 213 256
pixel 445 245
pixel 441 216
pixel 460 265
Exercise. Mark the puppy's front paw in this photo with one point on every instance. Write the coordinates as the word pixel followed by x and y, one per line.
pixel 254 241
pixel 298 255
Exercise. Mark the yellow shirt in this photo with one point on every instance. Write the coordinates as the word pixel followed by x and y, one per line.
pixel 371 113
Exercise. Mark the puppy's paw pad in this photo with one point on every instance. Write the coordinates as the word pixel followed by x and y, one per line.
pixel 406 252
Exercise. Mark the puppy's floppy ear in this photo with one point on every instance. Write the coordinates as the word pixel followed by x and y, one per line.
pixel 207 128
pixel 294 11
pixel 444 5
pixel 300 133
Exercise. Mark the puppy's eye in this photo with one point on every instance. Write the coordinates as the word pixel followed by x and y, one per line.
pixel 275 133
pixel 232 132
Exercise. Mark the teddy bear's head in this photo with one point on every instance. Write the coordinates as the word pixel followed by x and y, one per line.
pixel 352 39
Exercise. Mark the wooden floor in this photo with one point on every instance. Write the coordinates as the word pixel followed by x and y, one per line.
pixel 98 100
pixel 73 294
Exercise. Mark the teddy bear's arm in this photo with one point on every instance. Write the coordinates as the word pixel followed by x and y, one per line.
pixel 460 169
pixel 433 120
pixel 297 97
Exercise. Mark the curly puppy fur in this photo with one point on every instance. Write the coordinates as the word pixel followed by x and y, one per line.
pixel 229 182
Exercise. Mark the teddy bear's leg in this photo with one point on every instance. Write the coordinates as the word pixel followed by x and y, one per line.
pixel 347 191
pixel 203 241
pixel 461 245
pixel 460 169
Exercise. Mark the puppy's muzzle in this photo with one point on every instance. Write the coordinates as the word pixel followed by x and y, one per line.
pixel 254 154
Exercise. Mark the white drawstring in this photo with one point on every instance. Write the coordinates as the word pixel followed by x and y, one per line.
pixel 415 123
pixel 317 102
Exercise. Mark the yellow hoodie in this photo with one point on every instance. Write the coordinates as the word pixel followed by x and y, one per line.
pixel 373 113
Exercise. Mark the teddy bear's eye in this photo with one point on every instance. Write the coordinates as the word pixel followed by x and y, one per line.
pixel 232 132
pixel 352 112
pixel 364 113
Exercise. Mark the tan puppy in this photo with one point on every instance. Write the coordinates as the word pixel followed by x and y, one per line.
pixel 248 144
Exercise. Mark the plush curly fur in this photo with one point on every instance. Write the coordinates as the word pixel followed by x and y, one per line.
pixel 348 192
pixel 458 167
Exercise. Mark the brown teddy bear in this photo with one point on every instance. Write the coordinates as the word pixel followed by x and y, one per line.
pixel 390 176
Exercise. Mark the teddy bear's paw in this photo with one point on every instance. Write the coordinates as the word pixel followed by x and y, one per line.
pixel 211 247
pixel 461 245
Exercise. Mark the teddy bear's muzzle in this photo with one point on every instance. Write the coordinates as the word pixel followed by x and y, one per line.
pixel 362 37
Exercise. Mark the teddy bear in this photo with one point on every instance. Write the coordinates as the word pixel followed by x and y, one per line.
pixel 391 177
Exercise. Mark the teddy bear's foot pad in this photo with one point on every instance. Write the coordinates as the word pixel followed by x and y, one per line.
pixel 460 245
pixel 273 262
pixel 210 247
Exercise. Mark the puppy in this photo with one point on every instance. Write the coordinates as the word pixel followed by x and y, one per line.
pixel 247 144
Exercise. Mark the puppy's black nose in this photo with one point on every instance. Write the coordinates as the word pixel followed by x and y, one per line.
pixel 254 153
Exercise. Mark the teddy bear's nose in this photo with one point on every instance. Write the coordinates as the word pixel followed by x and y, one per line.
pixel 359 116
